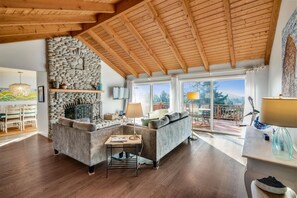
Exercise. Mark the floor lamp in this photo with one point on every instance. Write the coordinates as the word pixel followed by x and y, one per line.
pixel 192 96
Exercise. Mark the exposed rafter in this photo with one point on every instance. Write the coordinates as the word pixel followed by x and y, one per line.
pixel 9 39
pixel 39 29
pixel 121 7
pixel 6 20
pixel 143 43
pixel 117 39
pixel 272 28
pixel 195 32
pixel 112 52
pixel 102 56
pixel 166 36
pixel 229 32
pixel 59 5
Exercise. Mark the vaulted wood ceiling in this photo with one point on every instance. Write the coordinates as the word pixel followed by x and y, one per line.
pixel 145 36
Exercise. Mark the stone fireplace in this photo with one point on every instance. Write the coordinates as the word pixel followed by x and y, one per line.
pixel 72 63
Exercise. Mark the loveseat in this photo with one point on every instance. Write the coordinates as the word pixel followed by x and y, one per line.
pixel 83 142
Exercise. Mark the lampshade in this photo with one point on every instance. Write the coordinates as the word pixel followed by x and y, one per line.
pixel 193 95
pixel 20 89
pixel 279 112
pixel 134 110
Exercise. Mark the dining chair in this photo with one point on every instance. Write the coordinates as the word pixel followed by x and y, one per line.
pixel 29 115
pixel 12 117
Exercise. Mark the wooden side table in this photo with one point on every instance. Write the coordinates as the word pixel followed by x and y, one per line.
pixel 262 163
pixel 129 163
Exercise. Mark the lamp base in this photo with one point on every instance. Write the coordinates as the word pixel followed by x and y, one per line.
pixel 134 137
pixel 282 144
pixel 193 137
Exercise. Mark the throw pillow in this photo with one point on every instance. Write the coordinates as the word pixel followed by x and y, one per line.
pixel 65 122
pixel 145 122
pixel 173 117
pixel 84 126
pixel 156 124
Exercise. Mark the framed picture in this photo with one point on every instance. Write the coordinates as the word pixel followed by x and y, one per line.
pixel 40 93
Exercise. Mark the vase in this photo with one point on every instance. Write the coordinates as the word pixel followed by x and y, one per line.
pixel 282 144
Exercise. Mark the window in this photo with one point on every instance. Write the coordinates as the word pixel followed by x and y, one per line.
pixel 152 96
pixel 161 96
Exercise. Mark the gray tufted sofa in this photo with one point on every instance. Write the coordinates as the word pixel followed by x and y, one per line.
pixel 83 142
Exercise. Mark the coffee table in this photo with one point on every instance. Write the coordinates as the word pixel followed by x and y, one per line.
pixel 134 146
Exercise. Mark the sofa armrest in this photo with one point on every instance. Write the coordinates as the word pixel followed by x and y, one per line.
pixel 72 142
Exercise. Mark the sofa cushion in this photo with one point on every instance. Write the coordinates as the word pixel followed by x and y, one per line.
pixel 173 117
pixel 184 114
pixel 65 122
pixel 84 126
pixel 156 124
pixel 145 122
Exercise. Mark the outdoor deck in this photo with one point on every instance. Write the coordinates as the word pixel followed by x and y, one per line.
pixel 224 126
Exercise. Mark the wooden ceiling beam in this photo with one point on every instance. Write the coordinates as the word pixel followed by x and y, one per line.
pixel 118 40
pixel 143 43
pixel 167 37
pixel 273 22
pixel 108 62
pixel 195 33
pixel 58 5
pixel 9 20
pixel 100 41
pixel 10 39
pixel 40 29
pixel 229 32
pixel 122 6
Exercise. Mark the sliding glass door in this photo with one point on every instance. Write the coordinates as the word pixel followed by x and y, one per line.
pixel 142 94
pixel 228 105
pixel 200 109
pixel 219 107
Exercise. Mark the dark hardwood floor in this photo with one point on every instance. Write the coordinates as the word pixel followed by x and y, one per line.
pixel 29 169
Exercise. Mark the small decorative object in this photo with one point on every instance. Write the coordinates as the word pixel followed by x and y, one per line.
pixel 272 185
pixel 99 86
pixel 259 125
pixel 266 137
pixel 281 112
pixel 56 84
pixel 40 93
pixel 63 86
pixel 134 110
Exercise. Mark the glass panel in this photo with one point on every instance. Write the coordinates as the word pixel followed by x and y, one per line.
pixel 228 105
pixel 200 109
pixel 161 96
pixel 142 94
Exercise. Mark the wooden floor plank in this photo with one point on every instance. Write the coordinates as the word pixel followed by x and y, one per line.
pixel 29 169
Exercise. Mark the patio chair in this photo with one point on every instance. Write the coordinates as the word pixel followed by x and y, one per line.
pixel 12 117
pixel 29 115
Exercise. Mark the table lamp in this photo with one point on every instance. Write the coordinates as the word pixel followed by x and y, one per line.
pixel 281 112
pixel 191 96
pixel 134 110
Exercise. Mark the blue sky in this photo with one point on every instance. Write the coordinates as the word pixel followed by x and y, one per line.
pixel 231 87
pixel 158 88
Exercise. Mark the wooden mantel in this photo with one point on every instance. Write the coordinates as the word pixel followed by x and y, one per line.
pixel 76 91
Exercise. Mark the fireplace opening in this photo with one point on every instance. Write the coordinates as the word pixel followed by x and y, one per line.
pixel 77 111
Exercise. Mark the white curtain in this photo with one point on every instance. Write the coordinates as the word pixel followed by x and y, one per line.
pixel 175 95
pixel 256 86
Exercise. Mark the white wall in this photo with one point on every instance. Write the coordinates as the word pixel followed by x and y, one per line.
pixel 42 107
pixel 275 66
pixel 110 79
pixel 28 55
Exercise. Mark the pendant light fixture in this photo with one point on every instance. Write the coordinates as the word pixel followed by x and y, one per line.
pixel 20 89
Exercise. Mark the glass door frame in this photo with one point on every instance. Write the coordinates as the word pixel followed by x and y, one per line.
pixel 211 80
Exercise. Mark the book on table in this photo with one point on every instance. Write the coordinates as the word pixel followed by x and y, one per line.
pixel 119 139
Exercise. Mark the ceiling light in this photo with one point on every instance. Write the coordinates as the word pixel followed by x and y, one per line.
pixel 20 89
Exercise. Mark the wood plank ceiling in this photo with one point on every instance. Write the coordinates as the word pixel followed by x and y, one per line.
pixel 145 36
